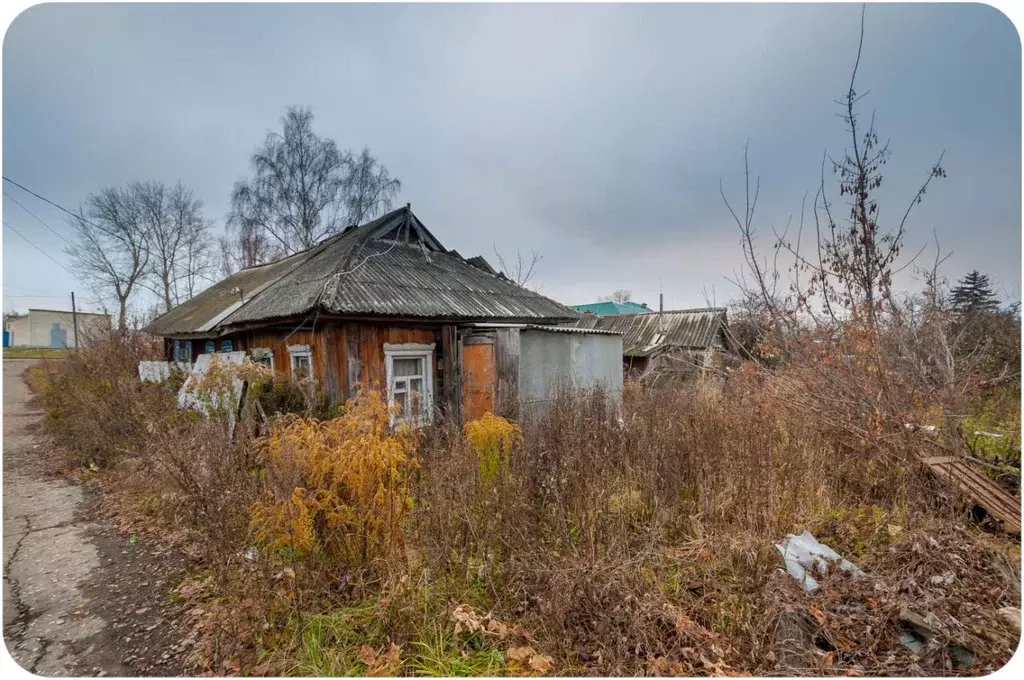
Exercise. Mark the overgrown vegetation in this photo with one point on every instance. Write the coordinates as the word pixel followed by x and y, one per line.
pixel 601 539
pixel 582 544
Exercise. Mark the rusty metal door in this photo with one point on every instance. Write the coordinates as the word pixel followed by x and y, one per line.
pixel 479 378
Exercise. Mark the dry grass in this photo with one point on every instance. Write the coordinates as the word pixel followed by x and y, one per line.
pixel 633 545
pixel 34 353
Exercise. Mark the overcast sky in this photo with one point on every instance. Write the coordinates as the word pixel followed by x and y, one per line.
pixel 594 134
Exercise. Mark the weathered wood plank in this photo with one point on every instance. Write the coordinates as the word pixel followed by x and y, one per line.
pixel 450 374
pixel 506 359
pixel 353 360
pixel 329 349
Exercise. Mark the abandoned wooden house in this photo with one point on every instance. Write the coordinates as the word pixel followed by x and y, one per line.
pixel 681 342
pixel 386 305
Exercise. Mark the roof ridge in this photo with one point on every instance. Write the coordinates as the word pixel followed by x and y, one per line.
pixel 680 311
pixel 345 231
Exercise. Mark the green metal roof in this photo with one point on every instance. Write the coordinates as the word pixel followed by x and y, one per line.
pixel 612 308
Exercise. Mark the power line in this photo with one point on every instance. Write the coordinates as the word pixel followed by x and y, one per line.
pixel 21 288
pixel 38 248
pixel 55 232
pixel 55 205
pixel 51 297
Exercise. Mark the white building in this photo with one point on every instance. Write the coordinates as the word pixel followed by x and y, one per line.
pixel 54 328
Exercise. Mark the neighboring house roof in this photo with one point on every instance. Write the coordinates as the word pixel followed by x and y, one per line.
pixel 568 328
pixel 612 308
pixel 391 267
pixel 649 333
pixel 68 311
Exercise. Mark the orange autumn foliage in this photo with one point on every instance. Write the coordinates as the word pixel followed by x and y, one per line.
pixel 339 489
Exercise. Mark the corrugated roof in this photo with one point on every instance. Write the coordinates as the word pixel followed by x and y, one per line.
pixel 197 314
pixel 540 327
pixel 645 334
pixel 389 267
pixel 67 311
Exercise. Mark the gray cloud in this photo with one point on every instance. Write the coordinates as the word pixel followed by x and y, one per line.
pixel 595 134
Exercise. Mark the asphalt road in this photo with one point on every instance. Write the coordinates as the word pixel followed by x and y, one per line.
pixel 78 597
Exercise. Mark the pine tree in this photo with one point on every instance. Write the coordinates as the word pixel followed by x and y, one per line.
pixel 973 295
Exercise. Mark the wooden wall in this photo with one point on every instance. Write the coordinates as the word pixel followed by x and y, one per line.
pixel 345 355
pixel 350 354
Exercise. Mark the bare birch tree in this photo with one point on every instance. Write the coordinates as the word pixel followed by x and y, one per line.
pixel 620 296
pixel 520 271
pixel 242 246
pixel 111 249
pixel 368 190
pixel 304 188
pixel 178 238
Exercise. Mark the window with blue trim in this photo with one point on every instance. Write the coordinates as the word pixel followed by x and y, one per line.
pixel 177 350
pixel 226 346
pixel 211 347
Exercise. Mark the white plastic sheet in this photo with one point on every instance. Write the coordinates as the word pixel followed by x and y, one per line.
pixel 803 554
pixel 187 397
pixel 154 371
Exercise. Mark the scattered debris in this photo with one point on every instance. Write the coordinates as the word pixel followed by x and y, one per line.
pixel 794 636
pixel 251 554
pixel 945 579
pixel 1000 506
pixel 187 397
pixel 154 371
pixel 919 633
pixel 803 553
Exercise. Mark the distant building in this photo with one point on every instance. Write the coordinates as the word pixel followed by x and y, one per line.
pixel 54 328
pixel 612 308
pixel 679 341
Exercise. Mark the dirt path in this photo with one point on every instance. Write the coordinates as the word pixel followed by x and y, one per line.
pixel 78 598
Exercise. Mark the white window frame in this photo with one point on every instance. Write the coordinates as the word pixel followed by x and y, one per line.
pixel 295 351
pixel 412 350
pixel 260 353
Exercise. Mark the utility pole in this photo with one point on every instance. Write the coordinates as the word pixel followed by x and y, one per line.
pixel 74 318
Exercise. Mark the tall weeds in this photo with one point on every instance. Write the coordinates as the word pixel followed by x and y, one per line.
pixel 632 540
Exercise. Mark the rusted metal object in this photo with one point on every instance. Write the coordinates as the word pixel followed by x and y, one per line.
pixel 479 380
pixel 1002 507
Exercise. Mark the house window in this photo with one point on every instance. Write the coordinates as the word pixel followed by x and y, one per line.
pixel 211 347
pixel 186 351
pixel 410 376
pixel 177 351
pixel 226 346
pixel 264 356
pixel 302 360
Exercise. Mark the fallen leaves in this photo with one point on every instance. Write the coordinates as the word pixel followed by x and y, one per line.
pixel 381 662
pixel 467 620
pixel 520 659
